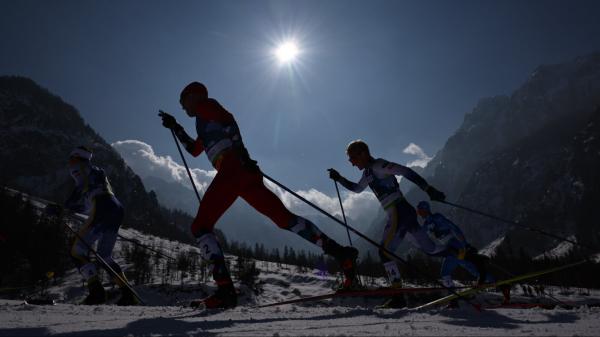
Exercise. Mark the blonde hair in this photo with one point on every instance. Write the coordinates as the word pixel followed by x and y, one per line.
pixel 357 146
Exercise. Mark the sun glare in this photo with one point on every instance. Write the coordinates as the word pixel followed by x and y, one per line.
pixel 286 52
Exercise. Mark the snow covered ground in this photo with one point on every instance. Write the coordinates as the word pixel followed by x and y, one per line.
pixel 310 320
pixel 165 315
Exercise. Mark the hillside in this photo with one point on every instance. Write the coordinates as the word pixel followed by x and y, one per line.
pixel 37 132
pixel 528 157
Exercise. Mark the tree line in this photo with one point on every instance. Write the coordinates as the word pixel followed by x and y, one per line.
pixel 32 245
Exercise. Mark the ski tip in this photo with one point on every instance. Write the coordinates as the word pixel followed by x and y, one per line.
pixel 39 302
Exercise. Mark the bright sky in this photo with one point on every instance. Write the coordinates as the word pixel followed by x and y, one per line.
pixel 390 72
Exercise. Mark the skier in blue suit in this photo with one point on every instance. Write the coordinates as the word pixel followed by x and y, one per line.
pixel 457 252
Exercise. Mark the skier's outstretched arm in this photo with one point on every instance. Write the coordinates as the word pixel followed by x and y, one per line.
pixel 352 186
pixel 193 146
pixel 408 173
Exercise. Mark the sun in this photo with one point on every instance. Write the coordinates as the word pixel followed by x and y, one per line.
pixel 287 52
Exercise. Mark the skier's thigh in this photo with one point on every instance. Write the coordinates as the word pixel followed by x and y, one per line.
pixel 267 203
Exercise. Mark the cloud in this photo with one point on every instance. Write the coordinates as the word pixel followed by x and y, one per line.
pixel 423 158
pixel 358 207
pixel 144 162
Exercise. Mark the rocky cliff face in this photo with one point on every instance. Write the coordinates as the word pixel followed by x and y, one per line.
pixel 38 131
pixel 527 157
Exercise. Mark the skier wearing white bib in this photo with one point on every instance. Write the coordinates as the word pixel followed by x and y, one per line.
pixel 380 176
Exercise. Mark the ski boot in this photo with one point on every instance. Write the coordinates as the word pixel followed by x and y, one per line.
pixel 224 298
pixel 127 296
pixel 346 257
pixel 505 289
pixel 97 293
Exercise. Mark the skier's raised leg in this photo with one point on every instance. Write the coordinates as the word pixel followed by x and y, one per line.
pixel 267 203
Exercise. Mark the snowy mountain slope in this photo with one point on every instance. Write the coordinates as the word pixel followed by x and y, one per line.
pixel 490 249
pixel 560 250
pixel 38 130
pixel 164 315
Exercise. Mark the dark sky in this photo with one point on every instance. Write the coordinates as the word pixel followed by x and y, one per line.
pixel 389 72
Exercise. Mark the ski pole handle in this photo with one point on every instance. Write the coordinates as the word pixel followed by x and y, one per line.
pixel 343 213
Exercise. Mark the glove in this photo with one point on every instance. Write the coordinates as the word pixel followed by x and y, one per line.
pixel 434 194
pixel 335 175
pixel 168 121
pixel 53 209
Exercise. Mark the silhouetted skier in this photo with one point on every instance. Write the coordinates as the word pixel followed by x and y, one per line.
pixel 237 176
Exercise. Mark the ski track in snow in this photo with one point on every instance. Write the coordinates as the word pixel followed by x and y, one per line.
pixel 310 320
pixel 338 317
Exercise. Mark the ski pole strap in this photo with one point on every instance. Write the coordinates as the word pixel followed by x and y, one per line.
pixel 533 229
pixel 343 213
pixel 366 238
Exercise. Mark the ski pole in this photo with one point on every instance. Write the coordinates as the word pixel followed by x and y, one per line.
pixel 343 214
pixel 366 238
pixel 184 161
pixel 105 264
pixel 514 223
pixel 504 270
pixel 7 289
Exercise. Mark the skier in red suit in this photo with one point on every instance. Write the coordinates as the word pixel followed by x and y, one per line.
pixel 237 176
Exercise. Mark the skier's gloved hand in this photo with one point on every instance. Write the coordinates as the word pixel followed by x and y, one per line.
pixel 168 121
pixel 53 209
pixel 335 175
pixel 435 194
